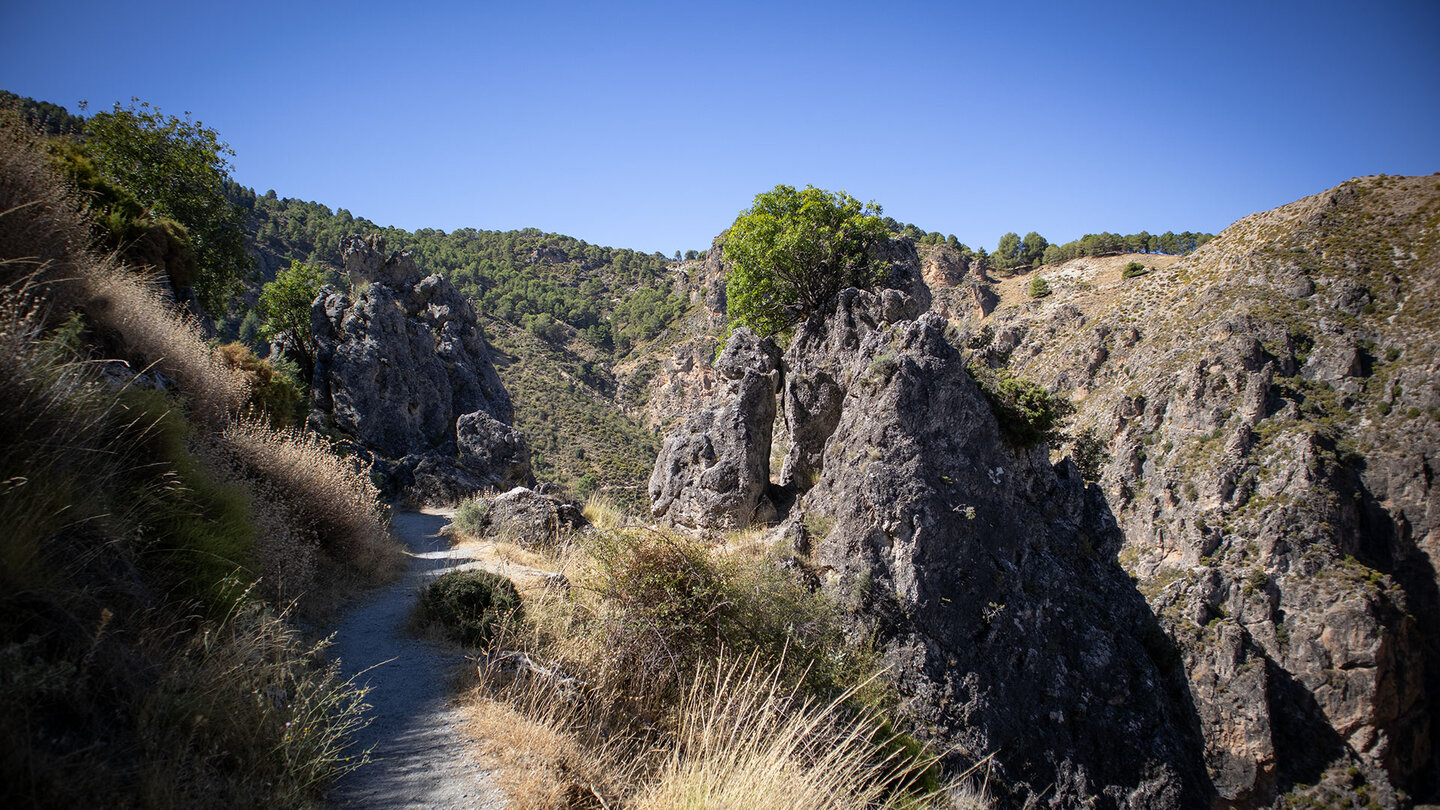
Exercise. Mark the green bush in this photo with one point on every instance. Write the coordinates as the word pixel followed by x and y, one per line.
pixel 471 606
pixel 1039 288
pixel 1026 412
pixel 1134 270
pixel 471 516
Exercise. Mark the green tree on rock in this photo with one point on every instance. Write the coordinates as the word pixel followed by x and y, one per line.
pixel 177 168
pixel 284 311
pixel 792 251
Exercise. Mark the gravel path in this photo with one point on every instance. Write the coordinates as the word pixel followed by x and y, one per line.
pixel 421 758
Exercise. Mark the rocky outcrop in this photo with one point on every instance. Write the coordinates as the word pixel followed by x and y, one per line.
pixel 404 370
pixel 817 369
pixel 988 576
pixel 958 287
pixel 714 471
pixel 1269 412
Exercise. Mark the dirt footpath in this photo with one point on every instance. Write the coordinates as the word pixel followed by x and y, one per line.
pixel 421 758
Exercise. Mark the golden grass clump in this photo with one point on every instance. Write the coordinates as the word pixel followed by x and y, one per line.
pixel 745 740
pixel 328 495
pixel 605 513
pixel 153 330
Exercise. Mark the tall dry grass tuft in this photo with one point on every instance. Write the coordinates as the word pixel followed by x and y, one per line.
pixel 324 494
pixel 606 514
pixel 43 232
pixel 153 330
pixel 746 740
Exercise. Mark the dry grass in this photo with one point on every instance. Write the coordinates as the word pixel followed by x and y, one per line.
pixel 746 741
pixel 544 757
pixel 616 689
pixel 323 494
pixel 43 232
pixel 606 514
pixel 136 308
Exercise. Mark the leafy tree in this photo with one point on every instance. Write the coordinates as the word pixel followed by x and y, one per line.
pixel 284 311
pixel 1039 287
pixel 792 251
pixel 178 169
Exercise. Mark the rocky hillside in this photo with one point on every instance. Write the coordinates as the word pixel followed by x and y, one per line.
pixel 1270 416
pixel 1246 594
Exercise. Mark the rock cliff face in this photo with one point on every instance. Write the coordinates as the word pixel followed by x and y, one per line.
pixel 988 576
pixel 959 289
pixel 1251 580
pixel 1270 416
pixel 404 370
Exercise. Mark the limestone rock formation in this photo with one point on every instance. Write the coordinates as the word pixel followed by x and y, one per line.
pixel 988 576
pixel 959 288
pixel 714 471
pixel 1269 410
pixel 1250 583
pixel 404 370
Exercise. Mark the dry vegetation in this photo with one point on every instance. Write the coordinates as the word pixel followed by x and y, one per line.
pixel 151 529
pixel 659 672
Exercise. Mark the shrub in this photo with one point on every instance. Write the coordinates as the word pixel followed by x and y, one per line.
pixel 471 516
pixel 1134 270
pixel 1027 414
pixel 273 395
pixel 471 606
pixel 1089 454
pixel 1039 288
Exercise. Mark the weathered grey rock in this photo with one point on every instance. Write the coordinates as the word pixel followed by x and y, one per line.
pixel 1271 409
pixel 990 580
pixel 486 443
pixel 817 367
pixel 533 520
pixel 713 472
pixel 404 369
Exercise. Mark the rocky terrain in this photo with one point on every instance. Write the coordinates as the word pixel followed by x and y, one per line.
pixel 1268 408
pixel 1240 610
pixel 404 371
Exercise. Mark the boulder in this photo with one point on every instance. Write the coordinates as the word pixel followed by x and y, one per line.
pixel 533 520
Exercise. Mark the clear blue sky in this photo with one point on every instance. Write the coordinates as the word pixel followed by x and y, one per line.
pixel 650 125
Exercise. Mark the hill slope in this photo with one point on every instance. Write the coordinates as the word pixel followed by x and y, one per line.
pixel 1269 414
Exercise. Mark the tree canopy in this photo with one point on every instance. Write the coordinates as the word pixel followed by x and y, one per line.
pixel 792 251
pixel 284 311
pixel 177 168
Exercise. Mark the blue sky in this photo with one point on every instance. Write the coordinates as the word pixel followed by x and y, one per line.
pixel 650 125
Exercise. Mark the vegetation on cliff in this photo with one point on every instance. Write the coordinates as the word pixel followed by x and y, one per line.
pixel 792 251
